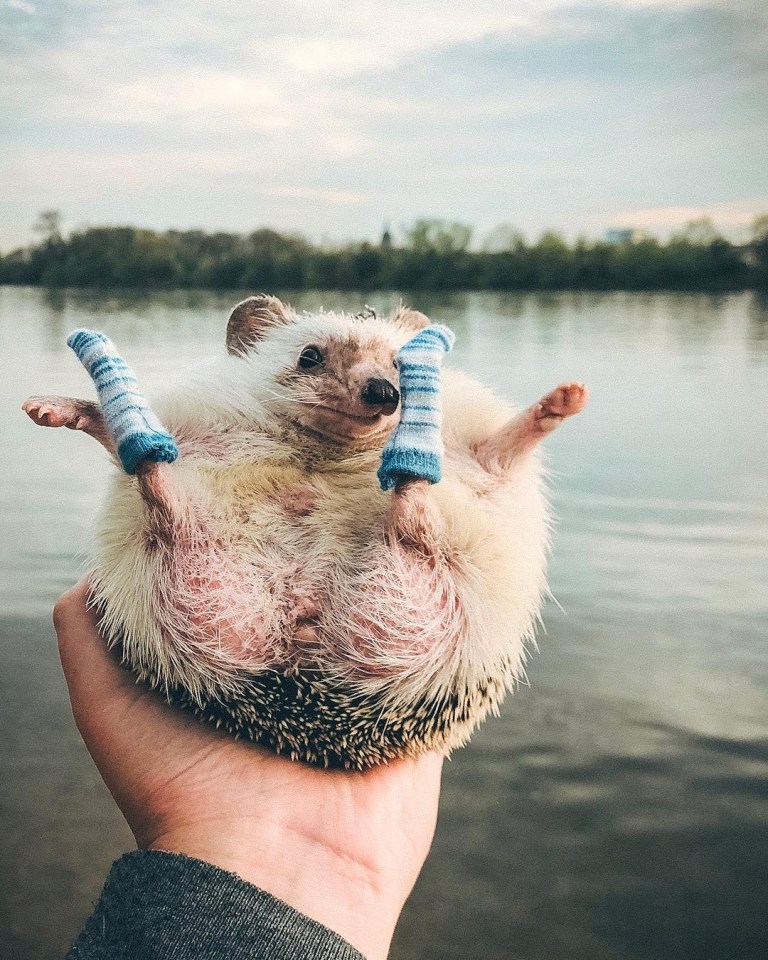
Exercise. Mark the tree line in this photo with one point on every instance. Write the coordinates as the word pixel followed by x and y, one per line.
pixel 433 255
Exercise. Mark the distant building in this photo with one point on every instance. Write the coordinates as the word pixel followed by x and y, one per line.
pixel 386 238
pixel 623 235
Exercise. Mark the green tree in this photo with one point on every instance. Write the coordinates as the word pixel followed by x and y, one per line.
pixel 553 260
pixel 436 256
pixel 760 248
pixel 438 236
pixel 700 232
pixel 48 224
pixel 501 238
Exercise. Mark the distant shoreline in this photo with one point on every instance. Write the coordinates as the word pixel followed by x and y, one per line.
pixel 140 290
pixel 435 257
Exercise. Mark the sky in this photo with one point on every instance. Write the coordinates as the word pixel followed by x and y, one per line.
pixel 333 118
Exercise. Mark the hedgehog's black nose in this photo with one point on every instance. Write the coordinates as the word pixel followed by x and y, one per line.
pixel 381 393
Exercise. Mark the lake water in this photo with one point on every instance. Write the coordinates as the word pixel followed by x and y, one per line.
pixel 618 810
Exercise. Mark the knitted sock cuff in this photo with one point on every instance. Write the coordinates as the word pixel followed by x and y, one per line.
pixel 137 433
pixel 415 449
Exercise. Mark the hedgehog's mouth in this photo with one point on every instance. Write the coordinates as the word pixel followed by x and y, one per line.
pixel 348 426
pixel 366 418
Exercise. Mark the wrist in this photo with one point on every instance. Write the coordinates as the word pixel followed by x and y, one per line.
pixel 349 895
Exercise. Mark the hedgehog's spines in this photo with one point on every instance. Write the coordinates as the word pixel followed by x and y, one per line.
pixel 335 730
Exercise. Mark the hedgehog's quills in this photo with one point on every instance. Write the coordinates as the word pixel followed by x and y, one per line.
pixel 265 581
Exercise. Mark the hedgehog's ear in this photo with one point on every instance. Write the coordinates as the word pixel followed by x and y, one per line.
pixel 410 318
pixel 252 318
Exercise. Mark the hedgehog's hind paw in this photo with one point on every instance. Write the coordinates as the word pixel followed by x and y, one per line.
pixel 498 452
pixel 83 415
pixel 564 401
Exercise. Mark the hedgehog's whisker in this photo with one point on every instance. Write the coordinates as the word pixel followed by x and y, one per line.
pixel 289 399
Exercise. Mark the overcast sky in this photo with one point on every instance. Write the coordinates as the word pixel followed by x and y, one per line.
pixel 334 116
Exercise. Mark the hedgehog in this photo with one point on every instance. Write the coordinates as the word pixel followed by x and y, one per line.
pixel 269 583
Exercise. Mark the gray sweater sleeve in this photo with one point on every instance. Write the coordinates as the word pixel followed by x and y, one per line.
pixel 162 906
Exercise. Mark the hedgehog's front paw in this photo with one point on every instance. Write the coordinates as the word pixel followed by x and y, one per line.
pixel 414 523
pixel 61 412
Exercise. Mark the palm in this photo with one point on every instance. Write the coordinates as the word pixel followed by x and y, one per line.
pixel 187 788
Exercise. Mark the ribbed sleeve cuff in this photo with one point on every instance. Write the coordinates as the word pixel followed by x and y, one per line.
pixel 403 462
pixel 163 906
pixel 141 447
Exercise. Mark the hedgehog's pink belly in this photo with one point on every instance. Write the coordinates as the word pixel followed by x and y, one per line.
pixel 401 617
pixel 397 615
pixel 216 606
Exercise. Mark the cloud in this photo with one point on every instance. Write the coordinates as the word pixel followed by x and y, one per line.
pixel 333 117
pixel 195 96
pixel 327 196
pixel 735 215
pixel 647 107
pixel 21 5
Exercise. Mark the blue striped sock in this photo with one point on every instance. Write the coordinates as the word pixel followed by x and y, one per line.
pixel 136 431
pixel 415 448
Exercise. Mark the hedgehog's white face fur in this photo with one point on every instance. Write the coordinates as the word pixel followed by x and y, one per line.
pixel 342 385
pixel 331 376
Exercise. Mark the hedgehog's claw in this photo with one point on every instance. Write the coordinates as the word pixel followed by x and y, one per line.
pixel 82 415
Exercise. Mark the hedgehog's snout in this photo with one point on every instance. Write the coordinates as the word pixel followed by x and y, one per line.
pixel 381 393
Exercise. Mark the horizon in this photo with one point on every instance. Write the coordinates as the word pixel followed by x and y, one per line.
pixel 333 122
pixel 501 237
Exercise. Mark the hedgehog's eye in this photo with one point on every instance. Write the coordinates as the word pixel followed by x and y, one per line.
pixel 310 357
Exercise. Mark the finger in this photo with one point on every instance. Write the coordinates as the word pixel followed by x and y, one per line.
pixel 112 711
pixel 92 673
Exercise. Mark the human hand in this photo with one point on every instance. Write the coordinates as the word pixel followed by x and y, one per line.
pixel 342 847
